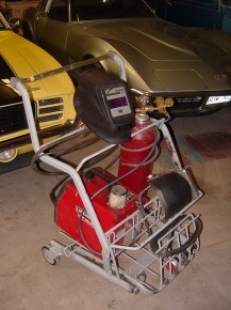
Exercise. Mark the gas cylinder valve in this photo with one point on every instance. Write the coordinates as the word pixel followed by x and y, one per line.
pixel 160 105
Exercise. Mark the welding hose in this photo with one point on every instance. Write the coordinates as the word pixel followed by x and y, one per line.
pixel 167 252
pixel 44 150
pixel 149 157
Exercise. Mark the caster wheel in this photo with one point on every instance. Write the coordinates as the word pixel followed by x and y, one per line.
pixel 48 258
pixel 142 277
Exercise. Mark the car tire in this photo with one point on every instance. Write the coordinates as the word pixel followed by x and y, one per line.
pixel 96 65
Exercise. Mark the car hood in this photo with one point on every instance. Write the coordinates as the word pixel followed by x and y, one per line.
pixel 162 54
pixel 153 38
pixel 24 59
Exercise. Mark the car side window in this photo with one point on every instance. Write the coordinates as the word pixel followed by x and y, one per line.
pixel 59 10
pixel 101 9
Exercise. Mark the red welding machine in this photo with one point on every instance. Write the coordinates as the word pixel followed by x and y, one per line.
pixel 112 205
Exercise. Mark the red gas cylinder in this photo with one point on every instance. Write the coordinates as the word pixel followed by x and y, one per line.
pixel 136 150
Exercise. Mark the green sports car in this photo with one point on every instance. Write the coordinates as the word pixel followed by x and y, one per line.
pixel 193 66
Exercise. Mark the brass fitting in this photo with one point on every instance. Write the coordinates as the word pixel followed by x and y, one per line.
pixel 161 106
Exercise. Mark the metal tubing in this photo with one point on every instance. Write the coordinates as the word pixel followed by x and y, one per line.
pixel 16 83
pixel 58 164
pixel 110 55
pixel 53 162
pixel 124 284
pixel 171 147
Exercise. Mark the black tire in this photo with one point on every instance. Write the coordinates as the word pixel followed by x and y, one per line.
pixel 96 65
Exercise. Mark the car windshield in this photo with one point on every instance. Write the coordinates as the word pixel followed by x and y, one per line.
pixel 107 9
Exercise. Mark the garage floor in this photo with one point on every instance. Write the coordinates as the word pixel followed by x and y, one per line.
pixel 28 282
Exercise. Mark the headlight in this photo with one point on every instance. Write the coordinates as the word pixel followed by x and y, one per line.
pixel 218 99
pixel 8 155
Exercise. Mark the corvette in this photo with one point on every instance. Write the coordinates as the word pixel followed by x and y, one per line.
pixel 51 97
pixel 161 58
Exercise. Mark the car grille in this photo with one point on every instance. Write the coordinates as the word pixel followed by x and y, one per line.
pixel 187 103
pixel 50 109
pixel 13 118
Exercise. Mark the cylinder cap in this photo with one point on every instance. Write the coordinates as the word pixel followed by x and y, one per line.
pixel 141 117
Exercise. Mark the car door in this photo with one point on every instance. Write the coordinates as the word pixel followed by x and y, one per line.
pixel 51 27
pixel 199 13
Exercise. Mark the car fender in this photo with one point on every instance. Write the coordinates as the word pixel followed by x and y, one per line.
pixel 89 50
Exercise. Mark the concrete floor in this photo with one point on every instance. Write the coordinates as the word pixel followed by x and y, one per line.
pixel 28 282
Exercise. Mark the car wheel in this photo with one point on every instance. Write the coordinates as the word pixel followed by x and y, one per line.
pixel 96 65
pixel 74 74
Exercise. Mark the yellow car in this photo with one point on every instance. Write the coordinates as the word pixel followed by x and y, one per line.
pixel 52 97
